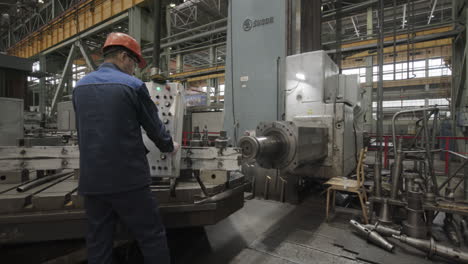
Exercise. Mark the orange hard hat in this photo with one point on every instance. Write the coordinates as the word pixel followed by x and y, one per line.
pixel 124 40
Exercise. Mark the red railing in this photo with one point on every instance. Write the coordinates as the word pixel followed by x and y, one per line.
pixel 446 146
pixel 185 137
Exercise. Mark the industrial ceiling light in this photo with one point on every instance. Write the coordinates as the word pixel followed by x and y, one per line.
pixel 300 76
pixel 172 4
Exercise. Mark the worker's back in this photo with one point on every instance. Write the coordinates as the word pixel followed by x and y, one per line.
pixel 110 107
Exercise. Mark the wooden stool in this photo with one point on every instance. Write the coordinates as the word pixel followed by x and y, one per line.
pixel 352 186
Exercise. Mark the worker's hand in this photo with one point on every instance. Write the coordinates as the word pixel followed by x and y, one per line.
pixel 176 148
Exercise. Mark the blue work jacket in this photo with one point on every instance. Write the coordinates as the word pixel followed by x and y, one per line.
pixel 111 107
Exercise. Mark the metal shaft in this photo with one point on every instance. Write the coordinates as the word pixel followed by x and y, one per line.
pixel 378 178
pixel 41 181
pixel 254 147
pixel 385 216
pixel 451 230
pixel 432 248
pixel 383 230
pixel 372 236
pixel 397 168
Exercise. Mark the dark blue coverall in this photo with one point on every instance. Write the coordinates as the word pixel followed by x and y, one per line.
pixel 111 107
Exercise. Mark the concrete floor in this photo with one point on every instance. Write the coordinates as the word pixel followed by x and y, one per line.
pixel 261 232
pixel 271 232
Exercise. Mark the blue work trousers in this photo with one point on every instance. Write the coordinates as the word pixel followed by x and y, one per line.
pixel 138 210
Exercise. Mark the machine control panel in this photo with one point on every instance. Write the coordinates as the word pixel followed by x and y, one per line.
pixel 168 98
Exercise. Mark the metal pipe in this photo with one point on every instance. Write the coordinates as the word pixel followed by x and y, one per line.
pixel 397 169
pixel 41 181
pixel 378 178
pixel 157 33
pixel 428 153
pixel 453 175
pixel 372 236
pixel 383 230
pixel 432 248
pixel 405 112
pixel 421 151
pixel 355 7
pixel 222 196
pixel 417 39
pixel 378 162
pixel 432 12
pixel 175 52
pixel 456 154
pixel 197 36
pixel 195 29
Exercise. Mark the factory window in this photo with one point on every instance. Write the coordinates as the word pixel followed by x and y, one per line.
pixel 35 67
pixel 221 89
pixel 413 103
pixel 439 101
pixel 404 70
pixel 420 102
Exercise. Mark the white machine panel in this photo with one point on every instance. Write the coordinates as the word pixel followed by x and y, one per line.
pixel 311 79
pixel 349 91
pixel 170 102
pixel 318 96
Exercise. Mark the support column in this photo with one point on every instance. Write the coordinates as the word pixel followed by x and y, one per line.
pixel 140 27
pixel 465 105
pixel 167 51
pixel 134 28
pixel 370 23
pixel 42 86
pixel 368 119
pixel 212 52
pixel 63 79
pixel 426 99
pixel 311 25
pixel 213 82
pixel 179 63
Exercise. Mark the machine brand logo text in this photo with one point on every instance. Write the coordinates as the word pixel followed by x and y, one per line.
pixel 249 24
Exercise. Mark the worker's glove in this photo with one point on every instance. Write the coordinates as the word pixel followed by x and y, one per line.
pixel 176 148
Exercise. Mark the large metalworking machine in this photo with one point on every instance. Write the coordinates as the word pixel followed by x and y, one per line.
pixel 286 105
pixel 320 134
pixel 200 185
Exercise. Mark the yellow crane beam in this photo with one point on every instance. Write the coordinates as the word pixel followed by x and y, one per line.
pixel 74 21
